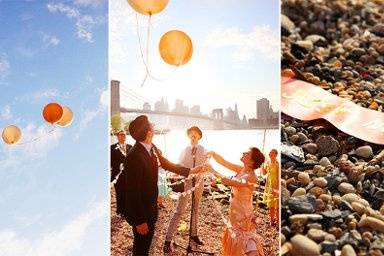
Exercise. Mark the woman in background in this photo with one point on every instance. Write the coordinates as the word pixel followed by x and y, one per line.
pixel 271 192
pixel 240 236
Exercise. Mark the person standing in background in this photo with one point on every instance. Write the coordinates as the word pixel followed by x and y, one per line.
pixel 271 192
pixel 193 155
pixel 119 152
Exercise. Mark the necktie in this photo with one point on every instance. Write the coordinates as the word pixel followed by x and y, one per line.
pixel 123 148
pixel 194 149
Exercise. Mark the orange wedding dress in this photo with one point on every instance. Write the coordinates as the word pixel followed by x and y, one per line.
pixel 240 237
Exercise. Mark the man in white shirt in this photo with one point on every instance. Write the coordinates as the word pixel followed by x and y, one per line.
pixel 193 155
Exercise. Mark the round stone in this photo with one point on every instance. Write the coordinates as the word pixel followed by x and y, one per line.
pixel 327 145
pixel 302 245
pixel 364 151
pixel 325 162
pixel 303 178
pixel 299 192
pixel 290 130
pixel 316 235
pixel 320 182
pixel 346 188
pixel 310 148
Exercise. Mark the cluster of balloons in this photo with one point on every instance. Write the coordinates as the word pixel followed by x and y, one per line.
pixel 53 113
pixel 175 46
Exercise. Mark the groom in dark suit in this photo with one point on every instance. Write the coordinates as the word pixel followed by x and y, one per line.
pixel 140 180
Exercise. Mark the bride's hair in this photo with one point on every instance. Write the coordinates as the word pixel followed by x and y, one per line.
pixel 257 157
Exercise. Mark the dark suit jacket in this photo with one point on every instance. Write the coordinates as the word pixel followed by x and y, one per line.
pixel 117 158
pixel 140 179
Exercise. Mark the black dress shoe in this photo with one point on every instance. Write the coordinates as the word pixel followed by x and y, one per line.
pixel 197 240
pixel 167 247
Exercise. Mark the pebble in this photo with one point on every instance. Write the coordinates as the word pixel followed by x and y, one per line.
pixel 364 151
pixel 350 197
pixel 299 192
pixel 290 130
pixel 348 251
pixel 306 44
pixel 373 223
pixel 316 235
pixel 302 245
pixel 300 204
pixel 346 188
pixel 310 148
pixel 327 145
pixel 378 29
pixel 287 24
pixel 302 137
pixel 305 217
pixel 358 207
pixel 326 198
pixel 320 182
pixel 303 178
pixel 295 139
pixel 325 162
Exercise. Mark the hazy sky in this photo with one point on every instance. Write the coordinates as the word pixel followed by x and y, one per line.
pixel 53 193
pixel 235 58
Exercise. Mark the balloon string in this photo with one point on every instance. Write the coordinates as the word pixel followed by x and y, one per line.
pixel 37 138
pixel 146 58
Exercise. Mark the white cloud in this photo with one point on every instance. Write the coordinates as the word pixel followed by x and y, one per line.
pixel 49 40
pixel 6 113
pixel 89 115
pixel 4 66
pixel 89 3
pixel 48 94
pixel 84 23
pixel 259 41
pixel 105 98
pixel 64 241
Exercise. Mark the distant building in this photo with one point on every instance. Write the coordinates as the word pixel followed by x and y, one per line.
pixel 195 110
pixel 263 109
pixel 180 107
pixel 244 121
pixel 147 106
pixel 232 114
pixel 161 105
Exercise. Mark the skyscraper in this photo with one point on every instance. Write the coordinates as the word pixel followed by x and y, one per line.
pixel 263 109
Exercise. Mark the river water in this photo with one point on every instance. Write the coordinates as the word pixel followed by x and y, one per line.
pixel 228 143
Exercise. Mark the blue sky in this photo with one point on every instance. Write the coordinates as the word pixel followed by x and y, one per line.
pixel 53 192
pixel 235 58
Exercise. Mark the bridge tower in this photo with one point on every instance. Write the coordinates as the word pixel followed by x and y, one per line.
pixel 218 116
pixel 115 97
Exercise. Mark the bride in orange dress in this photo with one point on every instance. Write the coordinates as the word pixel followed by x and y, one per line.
pixel 240 236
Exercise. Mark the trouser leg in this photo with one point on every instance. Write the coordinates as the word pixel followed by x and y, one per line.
pixel 197 200
pixel 180 210
pixel 142 243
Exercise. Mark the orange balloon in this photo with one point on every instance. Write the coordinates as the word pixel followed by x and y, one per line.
pixel 52 112
pixel 11 134
pixel 66 118
pixel 175 47
pixel 148 7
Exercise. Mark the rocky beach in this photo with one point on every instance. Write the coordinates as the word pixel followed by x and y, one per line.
pixel 332 183
pixel 211 227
